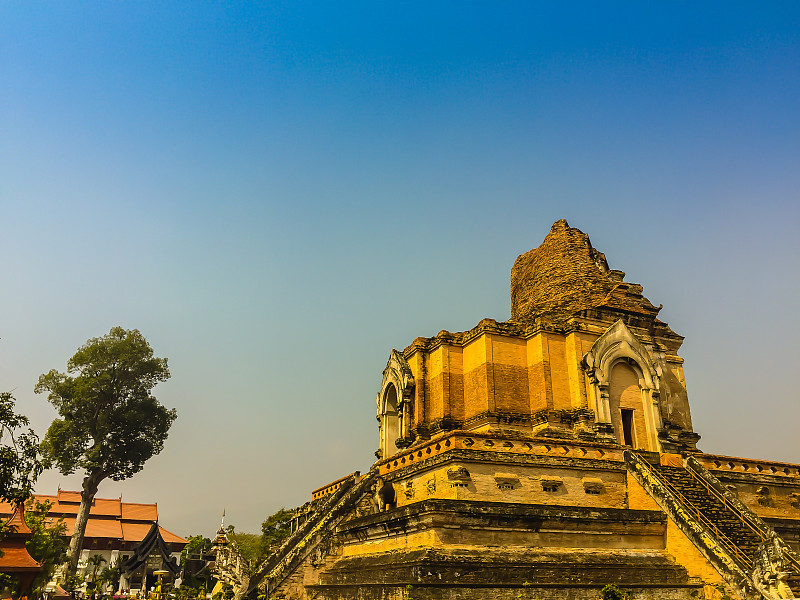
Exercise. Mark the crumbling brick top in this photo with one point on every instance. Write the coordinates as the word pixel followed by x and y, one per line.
pixel 566 275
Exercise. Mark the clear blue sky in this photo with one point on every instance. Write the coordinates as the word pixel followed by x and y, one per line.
pixel 277 194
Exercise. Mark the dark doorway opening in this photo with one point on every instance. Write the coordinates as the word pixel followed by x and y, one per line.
pixel 627 426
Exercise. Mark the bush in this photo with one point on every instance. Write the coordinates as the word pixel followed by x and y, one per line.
pixel 612 592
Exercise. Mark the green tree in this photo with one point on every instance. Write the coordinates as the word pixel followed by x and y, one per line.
pixel 275 529
pixel 249 546
pixel 71 584
pixel 94 561
pixel 226 593
pixel 197 546
pixel 46 543
pixel 195 573
pixel 109 577
pixel 110 422
pixel 19 465
pixel 19 454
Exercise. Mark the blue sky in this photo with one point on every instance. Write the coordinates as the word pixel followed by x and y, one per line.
pixel 277 194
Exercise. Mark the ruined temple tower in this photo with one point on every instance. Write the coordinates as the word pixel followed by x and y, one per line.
pixel 583 357
pixel 543 458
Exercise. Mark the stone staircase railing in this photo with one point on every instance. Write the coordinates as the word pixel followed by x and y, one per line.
pixel 743 549
pixel 311 535
pixel 777 565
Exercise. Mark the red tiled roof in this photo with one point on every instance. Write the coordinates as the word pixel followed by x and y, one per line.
pixel 108 518
pixel 17 559
pixel 64 496
pixel 99 528
pixel 111 507
pixel 101 506
pixel 132 511
pixel 17 522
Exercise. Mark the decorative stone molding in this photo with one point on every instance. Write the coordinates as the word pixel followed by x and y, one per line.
pixel 506 481
pixel 551 483
pixel 397 372
pixel 458 477
pixel 593 485
pixel 763 496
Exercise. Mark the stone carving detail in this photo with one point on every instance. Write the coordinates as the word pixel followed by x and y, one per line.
pixel 773 565
pixel 458 477
pixel 320 552
pixel 593 485
pixel 764 498
pixel 408 490
pixel 367 505
pixel 384 495
pixel 506 482
pixel 430 486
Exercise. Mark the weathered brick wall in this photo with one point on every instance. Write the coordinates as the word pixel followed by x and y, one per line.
pixel 499 373
pixel 561 277
pixel 509 371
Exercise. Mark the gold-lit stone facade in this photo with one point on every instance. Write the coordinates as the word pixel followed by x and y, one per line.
pixel 596 365
pixel 544 458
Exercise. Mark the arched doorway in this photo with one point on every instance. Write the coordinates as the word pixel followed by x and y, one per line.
pixel 389 422
pixel 625 403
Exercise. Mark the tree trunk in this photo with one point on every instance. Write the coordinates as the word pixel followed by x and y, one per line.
pixel 90 483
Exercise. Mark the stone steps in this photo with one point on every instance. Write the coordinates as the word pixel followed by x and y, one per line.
pixel 725 519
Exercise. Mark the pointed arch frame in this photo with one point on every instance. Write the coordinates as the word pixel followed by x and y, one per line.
pixel 398 374
pixel 618 344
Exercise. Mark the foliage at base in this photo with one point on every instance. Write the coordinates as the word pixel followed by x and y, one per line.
pixel 612 592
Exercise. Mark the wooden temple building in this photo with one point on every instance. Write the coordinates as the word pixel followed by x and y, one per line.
pixel 119 532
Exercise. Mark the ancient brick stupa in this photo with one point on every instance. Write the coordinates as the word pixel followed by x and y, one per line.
pixel 544 458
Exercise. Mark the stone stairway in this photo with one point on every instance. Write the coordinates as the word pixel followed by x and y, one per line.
pixel 728 525
pixel 742 547
pixel 311 536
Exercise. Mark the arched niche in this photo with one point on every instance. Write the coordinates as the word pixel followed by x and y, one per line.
pixel 624 385
pixel 395 409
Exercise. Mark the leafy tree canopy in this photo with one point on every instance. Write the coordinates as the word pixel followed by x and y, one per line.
pixel 249 546
pixel 612 592
pixel 196 547
pixel 110 423
pixel 19 453
pixel 109 577
pixel 275 529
